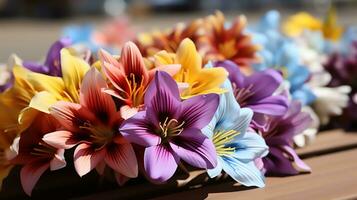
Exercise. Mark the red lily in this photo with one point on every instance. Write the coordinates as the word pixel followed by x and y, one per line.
pixel 93 126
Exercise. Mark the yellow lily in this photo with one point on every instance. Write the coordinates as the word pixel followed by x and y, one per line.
pixel 192 78
pixel 331 29
pixel 33 92
pixel 6 138
pixel 296 24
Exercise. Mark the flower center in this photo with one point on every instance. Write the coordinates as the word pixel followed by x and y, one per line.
pixel 170 128
pixel 137 87
pixel 242 95
pixel 227 48
pixel 100 134
pixel 221 140
pixel 44 150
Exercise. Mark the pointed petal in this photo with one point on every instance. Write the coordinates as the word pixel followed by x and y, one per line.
pixel 30 174
pixel 126 111
pixel 162 83
pixel 73 71
pixel 155 157
pixel 114 71
pixel 71 115
pixel 170 69
pixel 101 167
pixel 208 79
pixel 277 164
pixel 85 158
pixel 53 56
pixel 273 105
pixel 132 61
pixel 195 148
pixel 138 131
pixel 250 146
pixel 188 56
pixel 121 179
pixel 217 170
pixel 58 162
pixel 271 77
pixel 245 173
pixel 92 97
pixel 198 111
pixel 299 163
pixel 121 158
pixel 42 101
pixel 60 139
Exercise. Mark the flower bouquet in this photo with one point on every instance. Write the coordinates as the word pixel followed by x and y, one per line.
pixel 211 94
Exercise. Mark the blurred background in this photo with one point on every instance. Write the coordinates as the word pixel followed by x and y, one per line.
pixel 28 27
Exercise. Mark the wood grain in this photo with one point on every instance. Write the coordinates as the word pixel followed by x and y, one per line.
pixel 334 177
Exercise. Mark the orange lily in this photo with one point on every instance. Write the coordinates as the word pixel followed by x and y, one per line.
pixel 220 43
pixel 129 77
pixel 151 43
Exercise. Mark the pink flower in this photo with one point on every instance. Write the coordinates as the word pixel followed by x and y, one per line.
pixel 36 155
pixel 93 126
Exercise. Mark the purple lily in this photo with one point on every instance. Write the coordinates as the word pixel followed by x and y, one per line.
pixel 170 129
pixel 52 63
pixel 278 135
pixel 257 91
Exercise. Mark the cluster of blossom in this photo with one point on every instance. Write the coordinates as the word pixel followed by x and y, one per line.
pixel 211 94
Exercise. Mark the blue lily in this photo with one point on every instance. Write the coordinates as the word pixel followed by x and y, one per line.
pixel 281 53
pixel 236 148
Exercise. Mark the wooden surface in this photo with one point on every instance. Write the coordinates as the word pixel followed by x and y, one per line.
pixel 333 158
pixel 334 176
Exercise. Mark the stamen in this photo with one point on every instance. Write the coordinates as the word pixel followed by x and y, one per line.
pixel 100 134
pixel 242 94
pixel 170 128
pixel 221 139
pixel 43 149
pixel 137 91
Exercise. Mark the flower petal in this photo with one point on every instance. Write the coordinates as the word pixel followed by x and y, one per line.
pixel 217 170
pixel 195 148
pixel 58 161
pixel 73 71
pixel 275 163
pixel 92 97
pixel 42 101
pixel 30 174
pixel 250 146
pixel 245 173
pixel 273 105
pixel 133 62
pixel 126 111
pixel 270 77
pixel 121 158
pixel 71 115
pixel 137 130
pixel 162 83
pixel 299 163
pixel 188 56
pixel 85 158
pixel 160 163
pixel 60 139
pixel 121 179
pixel 198 111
